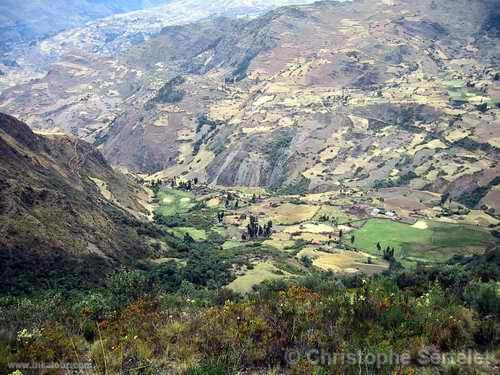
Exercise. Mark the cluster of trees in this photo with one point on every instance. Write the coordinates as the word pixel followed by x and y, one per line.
pixel 183 185
pixel 229 199
pixel 203 121
pixel 156 185
pixel 240 72
pixel 341 236
pixel 174 184
pixel 402 180
pixel 446 198
pixel 254 230
pixel 169 92
pixel 388 253
pixel 473 198
pixel 327 219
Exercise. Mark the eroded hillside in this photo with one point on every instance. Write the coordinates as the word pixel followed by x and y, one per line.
pixel 363 94
pixel 62 207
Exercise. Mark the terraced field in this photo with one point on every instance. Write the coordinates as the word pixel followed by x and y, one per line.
pixel 344 261
pixel 287 213
pixel 320 232
pixel 426 241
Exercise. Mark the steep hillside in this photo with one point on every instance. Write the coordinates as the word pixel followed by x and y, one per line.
pixel 362 94
pixel 38 22
pixel 62 208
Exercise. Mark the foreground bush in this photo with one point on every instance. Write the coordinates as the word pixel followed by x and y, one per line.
pixel 202 331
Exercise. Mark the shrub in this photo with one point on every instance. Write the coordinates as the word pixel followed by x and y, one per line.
pixel 93 305
pixel 209 368
pixel 487 333
pixel 306 261
pixel 484 297
pixel 127 286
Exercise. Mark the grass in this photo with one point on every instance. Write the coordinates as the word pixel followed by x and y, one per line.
pixel 282 245
pixel 174 202
pixel 480 218
pixel 310 228
pixel 197 234
pixel 180 262
pixel 213 202
pixel 334 213
pixel 459 91
pixel 232 245
pixel 261 272
pixel 438 242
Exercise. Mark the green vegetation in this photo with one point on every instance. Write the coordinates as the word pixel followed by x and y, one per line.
pixel 461 92
pixel 472 199
pixel 396 181
pixel 168 93
pixel 160 323
pixel 254 276
pixel 209 302
pixel 240 72
pixel 436 243
pixel 196 234
pixel 203 121
pixel 277 148
pixel 471 145
pixel 174 202
pixel 332 214
pixel 299 185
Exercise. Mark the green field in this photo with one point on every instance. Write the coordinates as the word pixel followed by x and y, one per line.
pixel 197 234
pixel 457 90
pixel 438 242
pixel 172 202
pixel 261 272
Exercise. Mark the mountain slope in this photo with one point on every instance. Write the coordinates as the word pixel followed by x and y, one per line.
pixel 364 94
pixel 62 208
pixel 361 94
pixel 38 22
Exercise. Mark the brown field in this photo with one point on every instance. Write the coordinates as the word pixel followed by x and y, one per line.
pixel 286 214
pixel 343 261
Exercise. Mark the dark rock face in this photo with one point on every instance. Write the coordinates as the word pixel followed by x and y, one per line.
pixel 20 131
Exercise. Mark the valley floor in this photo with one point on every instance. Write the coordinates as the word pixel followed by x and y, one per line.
pixel 346 232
